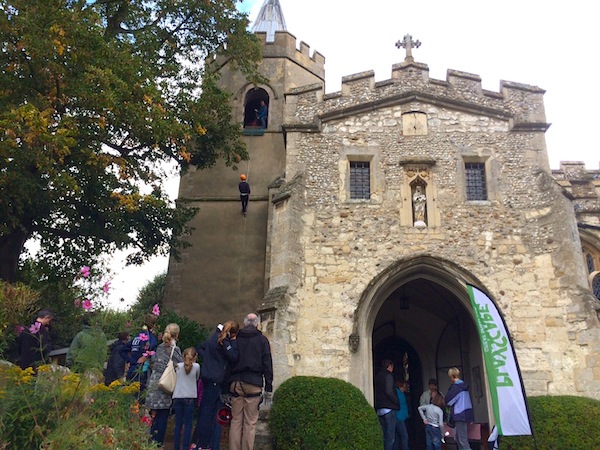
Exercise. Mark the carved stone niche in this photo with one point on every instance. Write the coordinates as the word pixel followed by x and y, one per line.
pixel 353 341
pixel 418 173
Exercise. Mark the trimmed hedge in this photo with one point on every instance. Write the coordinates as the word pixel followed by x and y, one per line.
pixel 560 423
pixel 314 413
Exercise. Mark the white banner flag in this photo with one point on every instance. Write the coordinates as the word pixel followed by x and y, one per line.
pixel 508 398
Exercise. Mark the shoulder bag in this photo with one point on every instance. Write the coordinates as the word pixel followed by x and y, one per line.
pixel 169 376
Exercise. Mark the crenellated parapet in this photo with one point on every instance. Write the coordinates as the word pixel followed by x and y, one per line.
pixel 520 104
pixel 285 46
pixel 582 187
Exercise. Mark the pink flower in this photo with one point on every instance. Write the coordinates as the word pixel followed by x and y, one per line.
pixel 91 401
pixel 147 420
pixel 34 328
pixel 143 337
pixel 77 303
pixel 85 271
pixel 106 287
pixel 156 310
pixel 87 304
pixel 19 329
pixel 148 353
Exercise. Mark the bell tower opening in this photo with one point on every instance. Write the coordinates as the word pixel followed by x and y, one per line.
pixel 256 109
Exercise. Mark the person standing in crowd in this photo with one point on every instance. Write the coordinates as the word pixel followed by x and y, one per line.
pixel 244 188
pixel 116 365
pixel 136 350
pixel 459 399
pixel 253 370
pixel 157 400
pixel 218 352
pixel 401 435
pixel 88 347
pixel 184 398
pixel 386 402
pixel 433 418
pixel 425 398
pixel 34 342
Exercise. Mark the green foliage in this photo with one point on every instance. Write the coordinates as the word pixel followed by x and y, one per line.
pixel 150 294
pixel 322 413
pixel 17 305
pixel 96 98
pixel 560 422
pixel 191 333
pixel 59 410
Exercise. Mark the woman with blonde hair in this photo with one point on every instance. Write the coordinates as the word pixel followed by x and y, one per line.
pixel 218 352
pixel 184 397
pixel 157 400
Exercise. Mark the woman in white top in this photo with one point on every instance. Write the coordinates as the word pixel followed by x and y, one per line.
pixel 184 397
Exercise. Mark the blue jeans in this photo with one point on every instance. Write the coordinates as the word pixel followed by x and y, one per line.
pixel 433 437
pixel 401 435
pixel 388 424
pixel 206 426
pixel 159 425
pixel 184 416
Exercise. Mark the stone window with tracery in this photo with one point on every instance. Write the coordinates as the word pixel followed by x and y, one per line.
pixel 592 261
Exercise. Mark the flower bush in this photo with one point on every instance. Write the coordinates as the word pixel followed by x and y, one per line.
pixel 60 409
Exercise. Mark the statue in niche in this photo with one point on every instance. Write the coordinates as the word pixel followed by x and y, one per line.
pixel 419 203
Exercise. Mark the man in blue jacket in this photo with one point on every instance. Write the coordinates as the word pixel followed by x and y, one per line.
pixel 459 399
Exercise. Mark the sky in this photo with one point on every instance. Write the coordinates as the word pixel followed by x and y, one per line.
pixel 540 43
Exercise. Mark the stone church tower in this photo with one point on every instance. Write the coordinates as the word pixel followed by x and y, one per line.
pixel 371 210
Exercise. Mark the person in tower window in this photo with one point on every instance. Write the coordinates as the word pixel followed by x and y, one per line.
pixel 262 113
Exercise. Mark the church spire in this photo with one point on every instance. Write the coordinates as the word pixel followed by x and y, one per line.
pixel 270 19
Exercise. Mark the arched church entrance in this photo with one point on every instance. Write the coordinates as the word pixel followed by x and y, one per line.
pixel 418 314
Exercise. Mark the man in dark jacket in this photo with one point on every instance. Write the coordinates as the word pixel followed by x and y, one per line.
pixel 218 352
pixel 244 188
pixel 35 343
pixel 386 402
pixel 253 370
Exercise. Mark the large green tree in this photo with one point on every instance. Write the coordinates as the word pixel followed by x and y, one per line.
pixel 96 96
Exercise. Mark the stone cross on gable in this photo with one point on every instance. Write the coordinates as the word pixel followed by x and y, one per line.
pixel 408 44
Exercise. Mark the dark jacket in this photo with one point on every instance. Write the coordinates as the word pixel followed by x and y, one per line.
pixel 459 400
pixel 244 188
pixel 255 365
pixel 115 367
pixel 216 357
pixel 134 349
pixel 34 348
pixel 385 393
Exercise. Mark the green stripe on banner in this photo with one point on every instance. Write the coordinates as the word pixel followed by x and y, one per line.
pixel 508 398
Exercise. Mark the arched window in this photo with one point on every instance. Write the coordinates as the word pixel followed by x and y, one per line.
pixel 256 109
pixel 591 257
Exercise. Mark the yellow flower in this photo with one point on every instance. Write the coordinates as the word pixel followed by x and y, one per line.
pixel 133 388
pixel 115 384
pixel 45 368
pixel 99 388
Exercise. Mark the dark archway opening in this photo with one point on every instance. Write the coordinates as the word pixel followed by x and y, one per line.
pixel 252 108
pixel 407 367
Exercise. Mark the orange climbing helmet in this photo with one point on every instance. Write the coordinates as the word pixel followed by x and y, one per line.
pixel 242 177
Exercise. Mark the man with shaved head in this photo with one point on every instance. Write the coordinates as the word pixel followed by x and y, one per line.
pixel 253 370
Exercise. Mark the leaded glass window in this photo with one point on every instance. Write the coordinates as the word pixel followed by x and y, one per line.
pixel 475 181
pixel 360 180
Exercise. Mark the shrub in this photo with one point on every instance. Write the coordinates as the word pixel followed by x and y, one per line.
pixel 560 422
pixel 322 413
pixel 58 409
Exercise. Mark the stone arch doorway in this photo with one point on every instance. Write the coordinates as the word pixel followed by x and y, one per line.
pixel 420 308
